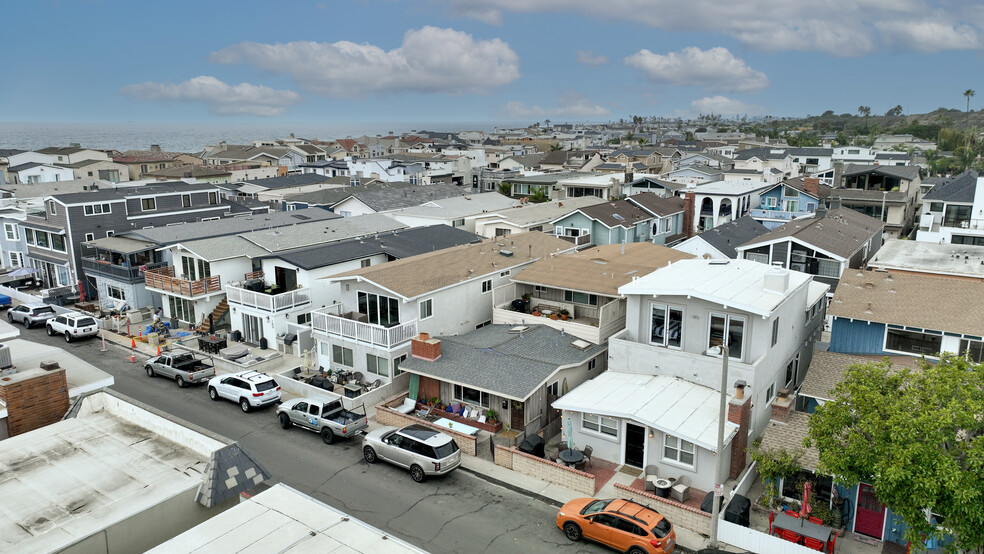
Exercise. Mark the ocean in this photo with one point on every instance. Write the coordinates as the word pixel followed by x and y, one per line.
pixel 192 137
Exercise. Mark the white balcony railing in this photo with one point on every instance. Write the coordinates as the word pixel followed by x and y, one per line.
pixel 268 302
pixel 330 321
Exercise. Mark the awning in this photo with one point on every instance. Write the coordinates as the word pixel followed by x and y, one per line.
pixel 668 404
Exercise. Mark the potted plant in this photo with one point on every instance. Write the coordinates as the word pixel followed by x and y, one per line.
pixel 554 317
pixel 536 313
pixel 564 314
pixel 491 416
pixel 526 302
pixel 433 401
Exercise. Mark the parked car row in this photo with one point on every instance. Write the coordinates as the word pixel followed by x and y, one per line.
pixel 70 325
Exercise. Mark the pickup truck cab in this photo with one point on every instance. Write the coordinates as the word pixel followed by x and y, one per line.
pixel 185 368
pixel 329 418
pixel 72 326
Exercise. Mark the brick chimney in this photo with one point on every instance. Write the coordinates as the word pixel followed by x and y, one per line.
pixel 689 199
pixel 425 348
pixel 34 398
pixel 812 185
pixel 782 405
pixel 628 172
pixel 739 413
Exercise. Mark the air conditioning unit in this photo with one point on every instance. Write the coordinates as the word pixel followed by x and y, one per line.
pixel 5 360
pixel 798 256
pixel 798 267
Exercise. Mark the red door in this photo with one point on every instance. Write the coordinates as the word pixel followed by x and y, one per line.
pixel 870 519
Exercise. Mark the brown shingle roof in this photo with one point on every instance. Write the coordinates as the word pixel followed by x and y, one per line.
pixel 827 369
pixel 789 435
pixel 411 277
pixel 842 232
pixel 658 205
pixel 922 301
pixel 629 214
pixel 600 269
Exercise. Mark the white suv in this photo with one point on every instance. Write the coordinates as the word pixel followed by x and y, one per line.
pixel 73 326
pixel 251 389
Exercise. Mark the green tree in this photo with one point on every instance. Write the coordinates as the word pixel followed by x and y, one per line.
pixel 505 189
pixel 894 112
pixel 949 139
pixel 539 196
pixel 969 93
pixel 964 157
pixel 917 435
pixel 775 464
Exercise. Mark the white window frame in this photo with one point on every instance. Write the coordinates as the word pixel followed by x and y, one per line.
pixel 213 198
pixel 666 317
pixel 680 449
pixel 185 197
pixel 727 325
pixel 484 398
pixel 775 331
pixel 151 202
pixel 97 209
pixel 342 352
pixel 120 295
pixel 429 304
pixel 486 286
pixel 820 271
pixel 757 257
pixel 373 359
pixel 52 208
pixel 11 231
pixel 16 259
pixel 602 426
pixel 460 222
pixel 90 237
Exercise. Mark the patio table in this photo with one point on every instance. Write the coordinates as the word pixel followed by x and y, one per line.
pixel 456 426
pixel 571 456
pixel 802 526
pixel 211 344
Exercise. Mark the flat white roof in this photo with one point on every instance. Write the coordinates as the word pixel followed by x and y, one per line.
pixel 731 187
pixel 282 519
pixel 64 482
pixel 930 257
pixel 732 283
pixel 599 179
pixel 669 404
pixel 816 291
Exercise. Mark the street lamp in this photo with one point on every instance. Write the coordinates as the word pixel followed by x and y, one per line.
pixel 715 503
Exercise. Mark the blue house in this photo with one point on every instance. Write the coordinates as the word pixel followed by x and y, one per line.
pixel 606 223
pixel 788 200
pixel 893 313
pixel 666 228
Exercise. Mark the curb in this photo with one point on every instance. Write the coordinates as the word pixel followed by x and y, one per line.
pixel 512 487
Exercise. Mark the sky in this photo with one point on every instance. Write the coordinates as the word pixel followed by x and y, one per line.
pixel 492 60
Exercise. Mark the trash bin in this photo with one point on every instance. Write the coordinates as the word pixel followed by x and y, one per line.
pixel 737 510
pixel 532 445
pixel 707 506
pixel 263 343
pixel 235 336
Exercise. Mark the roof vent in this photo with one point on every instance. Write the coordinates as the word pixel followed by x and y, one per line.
pixel 506 253
pixel 718 262
pixel 581 344
pixel 519 329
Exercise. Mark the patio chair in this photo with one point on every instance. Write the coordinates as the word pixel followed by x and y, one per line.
pixel 772 519
pixel 357 378
pixel 587 450
pixel 424 412
pixel 814 544
pixel 408 405
pixel 649 484
pixel 681 489
pixel 830 545
pixel 816 520
pixel 374 385
pixel 787 535
pixel 792 513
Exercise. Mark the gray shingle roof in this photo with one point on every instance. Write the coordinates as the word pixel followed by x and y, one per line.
pixel 6 152
pixel 909 172
pixel 724 238
pixel 628 214
pixel 396 245
pixel 229 226
pixel 386 198
pixel 508 364
pixel 121 193
pixel 653 203
pixel 762 153
pixel 961 188
pixel 288 181
pixel 297 236
pixel 840 232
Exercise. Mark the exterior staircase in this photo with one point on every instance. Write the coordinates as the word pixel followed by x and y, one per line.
pixel 220 312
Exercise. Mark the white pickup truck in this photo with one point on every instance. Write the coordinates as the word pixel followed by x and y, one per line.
pixel 185 368
pixel 329 418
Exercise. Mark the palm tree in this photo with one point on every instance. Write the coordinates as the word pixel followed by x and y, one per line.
pixel 969 93
pixel 505 189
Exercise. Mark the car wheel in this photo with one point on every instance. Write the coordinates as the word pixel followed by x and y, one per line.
pixel 327 435
pixel 572 531
pixel 416 473
pixel 28 324
pixel 244 405
pixel 51 332
pixel 10 316
pixel 68 338
pixel 636 550
pixel 150 371
pixel 212 393
pixel 285 421
pixel 369 454
pixel 180 382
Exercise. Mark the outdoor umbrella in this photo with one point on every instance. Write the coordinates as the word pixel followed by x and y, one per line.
pixel 805 509
pixel 22 272
pixel 570 434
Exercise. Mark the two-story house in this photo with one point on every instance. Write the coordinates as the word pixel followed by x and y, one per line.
pixel 606 223
pixel 388 197
pixel 763 158
pixel 884 192
pixel 529 217
pixel 720 242
pixel 442 293
pixel 824 246
pixel 459 212
pixel 712 204
pixel 953 211
pixel 656 404
pixel 139 162
pixel 585 284
pixel 791 199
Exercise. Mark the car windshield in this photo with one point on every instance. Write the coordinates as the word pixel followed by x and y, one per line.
pixel 445 450
pixel 266 385
pixel 44 310
pixel 596 506
pixel 85 321
pixel 662 528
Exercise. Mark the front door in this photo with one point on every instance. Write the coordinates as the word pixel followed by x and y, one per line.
pixel 870 519
pixel 635 445
pixel 252 329
pixel 518 416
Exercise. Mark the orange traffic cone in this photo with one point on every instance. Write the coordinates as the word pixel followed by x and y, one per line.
pixel 158 350
pixel 133 342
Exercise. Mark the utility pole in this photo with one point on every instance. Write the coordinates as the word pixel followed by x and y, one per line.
pixel 718 461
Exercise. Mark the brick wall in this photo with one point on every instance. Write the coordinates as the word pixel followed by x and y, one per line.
pixel 504 456
pixel 548 471
pixel 429 388
pixel 781 408
pixel 740 413
pixel 34 398
pixel 679 514
pixel 388 416
pixel 425 348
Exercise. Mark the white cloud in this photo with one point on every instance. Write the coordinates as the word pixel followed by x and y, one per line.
pixel 839 28
pixel 590 58
pixel 429 60
pixel 716 69
pixel 221 98
pixel 721 105
pixel 570 104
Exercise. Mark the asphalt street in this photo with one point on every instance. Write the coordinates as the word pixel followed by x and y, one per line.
pixel 456 513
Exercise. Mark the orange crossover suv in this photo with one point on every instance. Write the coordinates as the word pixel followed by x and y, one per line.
pixel 624 525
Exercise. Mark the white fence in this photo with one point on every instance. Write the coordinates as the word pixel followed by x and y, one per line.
pixel 378 335
pixel 756 541
pixel 268 302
